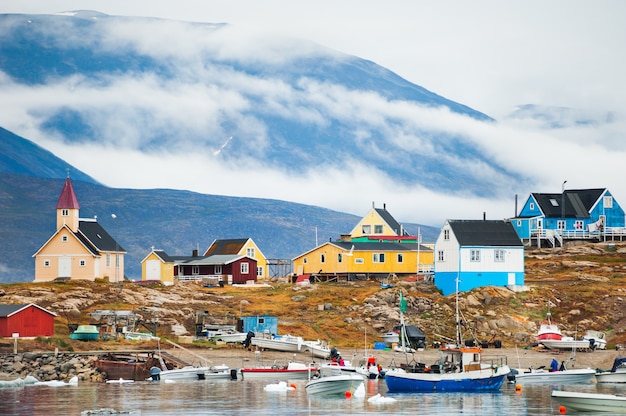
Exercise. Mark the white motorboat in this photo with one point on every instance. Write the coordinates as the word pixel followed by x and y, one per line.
pixel 391 337
pixel 291 371
pixel 543 376
pixel 317 349
pixel 188 373
pixel 332 381
pixel 228 336
pixel 617 374
pixel 285 343
pixel 592 340
pixel 217 372
pixel 590 402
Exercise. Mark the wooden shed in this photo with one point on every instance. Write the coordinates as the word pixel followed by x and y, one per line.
pixel 27 320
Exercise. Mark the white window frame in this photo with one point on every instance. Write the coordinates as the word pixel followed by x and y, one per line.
pixel 250 252
pixel 441 255
pixel 46 263
pixel 446 234
pixel 259 271
pixel 245 268
pixel 195 270
pixel 359 260
pixel 366 229
pixel 498 255
pixel 217 269
pixel 378 257
pixel 378 229
pixel 82 263
pixel 475 255
pixel 560 225
pixel 64 238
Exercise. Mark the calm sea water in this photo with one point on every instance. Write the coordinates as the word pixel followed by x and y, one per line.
pixel 226 397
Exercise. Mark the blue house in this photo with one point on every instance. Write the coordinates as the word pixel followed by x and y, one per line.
pixel 574 214
pixel 478 253
pixel 260 324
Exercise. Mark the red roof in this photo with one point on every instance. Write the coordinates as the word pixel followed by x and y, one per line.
pixel 68 197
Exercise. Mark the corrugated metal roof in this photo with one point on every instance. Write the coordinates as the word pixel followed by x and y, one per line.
pixel 228 246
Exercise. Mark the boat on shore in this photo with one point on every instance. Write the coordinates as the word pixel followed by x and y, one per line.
pixel 590 402
pixel 548 330
pixel 291 371
pixel 285 343
pixel 617 374
pixel 592 340
pixel 332 381
pixel 317 349
pixel 85 333
pixel 228 336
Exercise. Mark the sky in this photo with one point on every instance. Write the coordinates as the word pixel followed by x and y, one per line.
pixel 492 56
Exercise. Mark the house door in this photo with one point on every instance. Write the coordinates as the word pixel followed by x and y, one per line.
pixel 153 270
pixel 65 267
pixel 511 279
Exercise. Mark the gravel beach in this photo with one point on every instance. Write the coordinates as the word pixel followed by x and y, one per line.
pixel 515 358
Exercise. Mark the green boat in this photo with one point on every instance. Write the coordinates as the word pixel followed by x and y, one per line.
pixel 85 333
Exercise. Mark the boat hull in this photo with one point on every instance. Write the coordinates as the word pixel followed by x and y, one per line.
pixel 590 402
pixel 288 345
pixel 577 376
pixel 611 377
pixel 400 381
pixel 334 385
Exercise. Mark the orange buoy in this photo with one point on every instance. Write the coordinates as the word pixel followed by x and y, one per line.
pixel 518 388
pixel 292 385
pixel 348 395
pixel 562 410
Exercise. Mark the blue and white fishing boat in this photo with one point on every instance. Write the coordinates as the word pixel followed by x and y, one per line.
pixel 459 368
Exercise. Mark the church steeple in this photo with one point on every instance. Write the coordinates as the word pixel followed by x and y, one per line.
pixel 68 207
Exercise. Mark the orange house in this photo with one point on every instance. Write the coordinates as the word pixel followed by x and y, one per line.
pixel 79 248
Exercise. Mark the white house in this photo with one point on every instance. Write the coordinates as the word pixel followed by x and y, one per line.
pixel 478 253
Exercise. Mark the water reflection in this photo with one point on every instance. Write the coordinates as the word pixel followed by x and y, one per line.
pixel 227 397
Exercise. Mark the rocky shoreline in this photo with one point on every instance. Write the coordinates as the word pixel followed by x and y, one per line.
pixel 51 366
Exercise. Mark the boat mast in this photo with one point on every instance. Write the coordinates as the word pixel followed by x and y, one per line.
pixel 458 320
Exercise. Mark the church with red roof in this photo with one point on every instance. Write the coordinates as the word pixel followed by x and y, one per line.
pixel 80 248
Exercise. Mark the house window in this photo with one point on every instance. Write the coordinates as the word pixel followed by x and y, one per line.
pixel 531 206
pixel 339 258
pixel 560 225
pixel 366 229
pixel 46 263
pixel 304 260
pixel 378 229
pixel 446 234
pixel 82 263
pixel 498 255
pixel 108 259
pixel 218 269
pixel 358 260
pixel 441 256
pixel 244 268
pixel 519 223
pixel 261 321
pixel 378 257
pixel 322 258
pixel 64 238
pixel 195 270
pixel 400 258
pixel 578 225
pixel 607 201
pixel 250 252
pixel 554 202
pixel 474 255
pixel 65 212
pixel 259 271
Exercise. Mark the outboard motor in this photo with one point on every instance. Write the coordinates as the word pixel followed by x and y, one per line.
pixel 592 344
pixel 334 353
pixel 248 340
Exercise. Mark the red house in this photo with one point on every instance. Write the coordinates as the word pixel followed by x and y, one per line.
pixel 26 320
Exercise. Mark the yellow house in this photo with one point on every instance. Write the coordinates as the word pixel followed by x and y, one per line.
pixel 158 265
pixel 80 248
pixel 352 260
pixel 378 222
pixel 243 247
pixel 376 247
